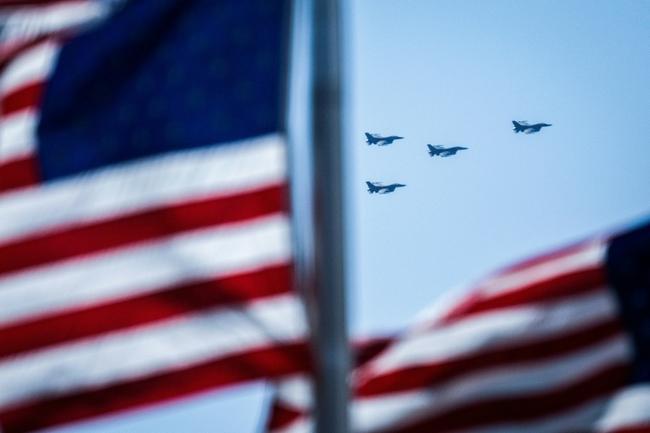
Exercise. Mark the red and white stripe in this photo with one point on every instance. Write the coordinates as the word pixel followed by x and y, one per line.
pixel 293 398
pixel 146 281
pixel 627 412
pixel 291 406
pixel 536 348
pixel 21 87
pixel 29 45
pixel 30 19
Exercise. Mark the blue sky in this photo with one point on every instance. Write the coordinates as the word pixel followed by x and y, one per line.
pixel 457 73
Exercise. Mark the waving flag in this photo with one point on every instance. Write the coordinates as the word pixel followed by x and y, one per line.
pixel 292 400
pixel 558 344
pixel 144 235
pixel 30 39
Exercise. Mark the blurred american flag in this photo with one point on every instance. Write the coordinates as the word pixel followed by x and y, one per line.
pixel 144 232
pixel 557 344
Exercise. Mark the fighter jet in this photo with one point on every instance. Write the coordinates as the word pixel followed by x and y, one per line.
pixel 382 189
pixel 444 151
pixel 523 126
pixel 379 140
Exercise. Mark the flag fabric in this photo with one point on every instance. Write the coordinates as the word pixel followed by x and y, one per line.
pixel 30 38
pixel 293 394
pixel 144 230
pixel 557 344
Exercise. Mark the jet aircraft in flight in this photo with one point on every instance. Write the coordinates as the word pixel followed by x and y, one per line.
pixel 444 151
pixel 379 140
pixel 523 126
pixel 382 189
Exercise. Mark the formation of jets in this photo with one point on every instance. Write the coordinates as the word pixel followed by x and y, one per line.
pixel 437 150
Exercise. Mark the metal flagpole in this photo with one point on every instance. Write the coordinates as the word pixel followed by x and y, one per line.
pixel 332 355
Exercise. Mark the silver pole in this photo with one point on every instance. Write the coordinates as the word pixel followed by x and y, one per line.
pixel 332 355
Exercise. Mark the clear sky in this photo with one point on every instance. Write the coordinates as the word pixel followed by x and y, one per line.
pixel 456 73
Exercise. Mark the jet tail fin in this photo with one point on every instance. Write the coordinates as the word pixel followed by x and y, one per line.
pixel 432 150
pixel 370 139
pixel 371 188
pixel 518 127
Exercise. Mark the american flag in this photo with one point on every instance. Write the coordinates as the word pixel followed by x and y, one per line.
pixel 29 41
pixel 557 344
pixel 144 234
